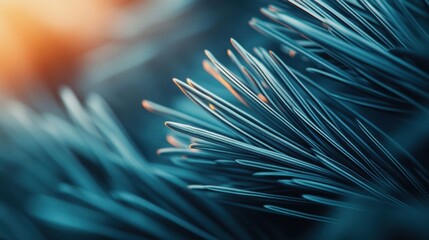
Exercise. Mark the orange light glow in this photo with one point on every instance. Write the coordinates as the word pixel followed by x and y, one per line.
pixel 146 105
pixel 173 141
pixel 39 35
pixel 212 107
pixel 263 98
pixel 209 69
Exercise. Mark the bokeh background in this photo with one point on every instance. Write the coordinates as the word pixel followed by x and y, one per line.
pixel 125 50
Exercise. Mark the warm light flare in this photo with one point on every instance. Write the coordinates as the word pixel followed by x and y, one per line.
pixel 173 141
pixel 209 69
pixel 38 36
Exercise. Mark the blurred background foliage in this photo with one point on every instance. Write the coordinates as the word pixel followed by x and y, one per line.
pixel 123 50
